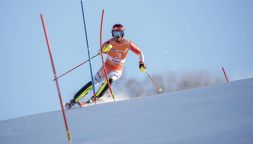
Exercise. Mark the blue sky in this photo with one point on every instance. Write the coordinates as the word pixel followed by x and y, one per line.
pixel 183 35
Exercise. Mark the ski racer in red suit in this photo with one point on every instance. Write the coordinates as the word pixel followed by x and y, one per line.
pixel 116 49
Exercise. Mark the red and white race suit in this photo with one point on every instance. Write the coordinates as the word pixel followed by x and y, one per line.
pixel 116 58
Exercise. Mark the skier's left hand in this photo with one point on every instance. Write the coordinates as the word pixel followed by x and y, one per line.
pixel 142 67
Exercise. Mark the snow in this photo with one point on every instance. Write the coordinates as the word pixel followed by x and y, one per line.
pixel 217 114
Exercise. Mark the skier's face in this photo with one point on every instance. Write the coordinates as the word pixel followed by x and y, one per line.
pixel 117 35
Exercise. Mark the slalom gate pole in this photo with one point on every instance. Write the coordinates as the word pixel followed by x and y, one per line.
pixel 159 89
pixel 88 49
pixel 56 81
pixel 224 72
pixel 101 53
pixel 76 67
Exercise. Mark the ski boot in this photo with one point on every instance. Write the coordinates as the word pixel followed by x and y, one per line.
pixel 70 104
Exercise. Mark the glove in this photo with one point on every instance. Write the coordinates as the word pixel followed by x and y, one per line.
pixel 106 48
pixel 142 67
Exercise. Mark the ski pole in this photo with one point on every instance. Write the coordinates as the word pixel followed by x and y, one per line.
pixel 75 67
pixel 159 89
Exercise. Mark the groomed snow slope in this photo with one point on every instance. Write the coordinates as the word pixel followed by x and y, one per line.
pixel 217 114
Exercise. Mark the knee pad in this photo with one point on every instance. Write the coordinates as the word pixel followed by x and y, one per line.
pixel 113 76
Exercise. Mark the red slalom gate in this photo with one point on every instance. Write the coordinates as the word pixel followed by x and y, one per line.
pixel 56 80
pixel 101 53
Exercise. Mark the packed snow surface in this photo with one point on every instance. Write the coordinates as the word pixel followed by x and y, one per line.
pixel 216 114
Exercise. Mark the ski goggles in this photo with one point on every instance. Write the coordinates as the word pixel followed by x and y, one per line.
pixel 118 33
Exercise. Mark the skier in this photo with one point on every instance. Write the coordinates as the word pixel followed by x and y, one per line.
pixel 116 49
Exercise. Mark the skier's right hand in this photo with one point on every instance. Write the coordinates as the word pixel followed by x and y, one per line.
pixel 142 67
pixel 106 48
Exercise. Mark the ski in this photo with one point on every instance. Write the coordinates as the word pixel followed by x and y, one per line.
pixel 80 104
pixel 77 105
